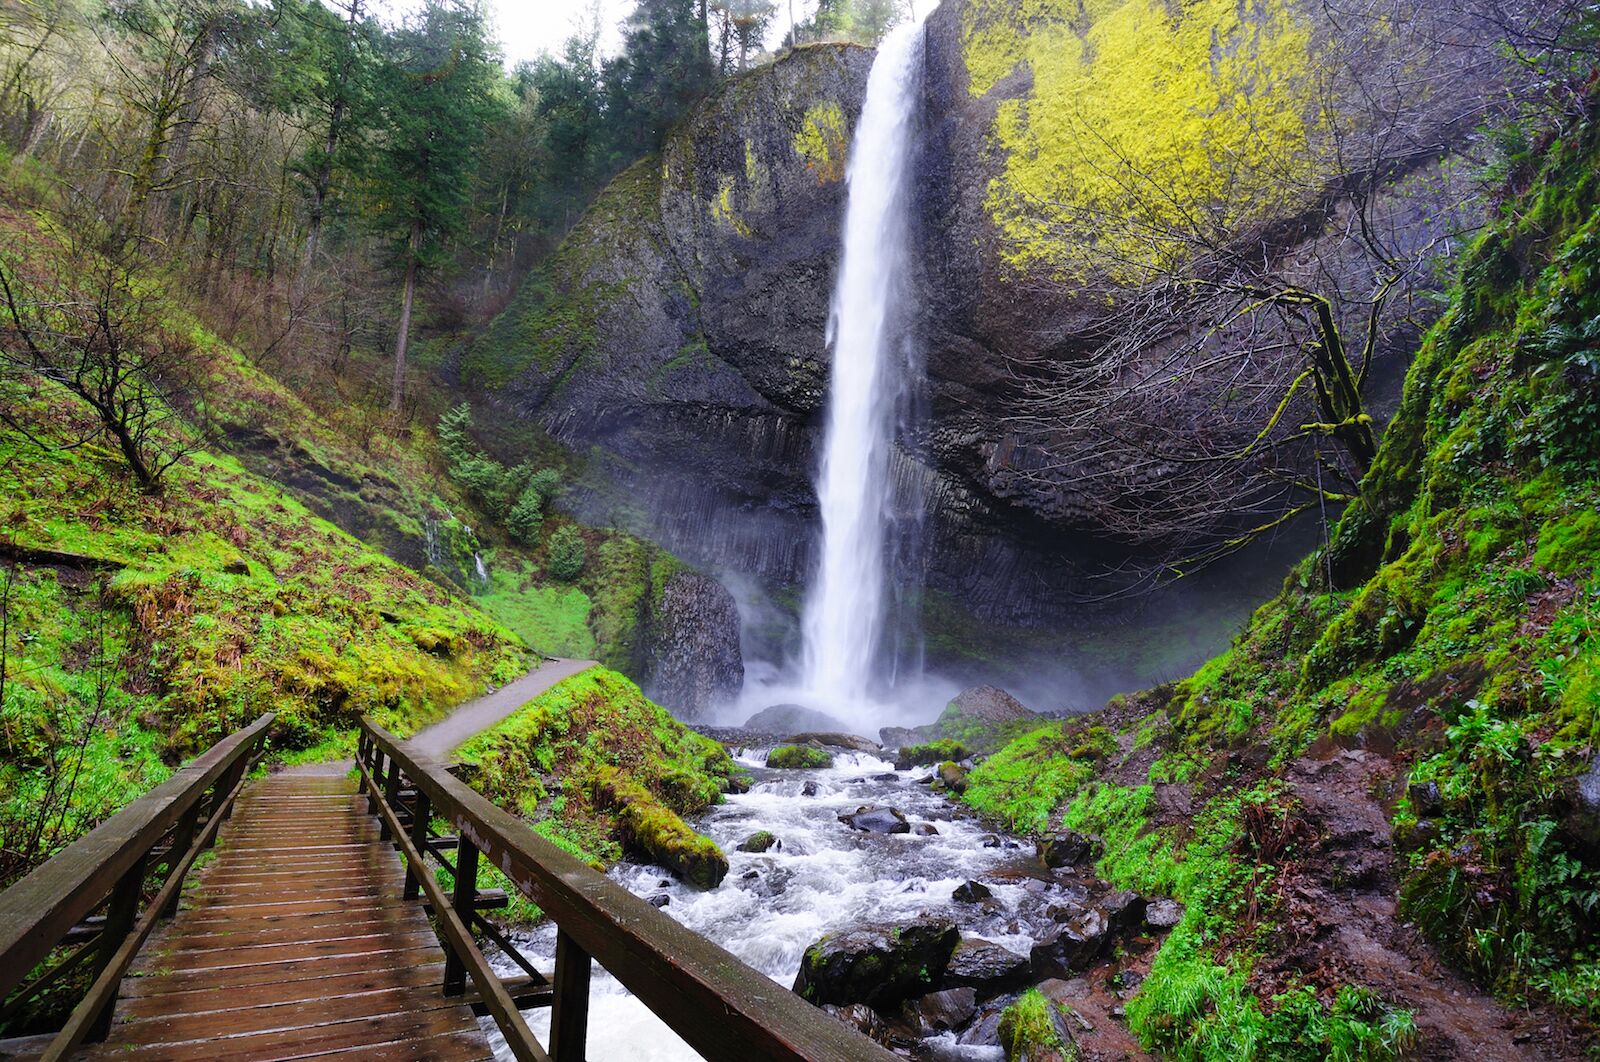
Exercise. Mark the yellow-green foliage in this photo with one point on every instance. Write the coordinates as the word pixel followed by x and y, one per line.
pixel 576 758
pixel 1139 110
pixel 823 142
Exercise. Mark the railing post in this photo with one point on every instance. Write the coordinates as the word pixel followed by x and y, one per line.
pixel 391 793
pixel 182 839
pixel 419 837
pixel 375 771
pixel 121 913
pixel 569 1009
pixel 465 902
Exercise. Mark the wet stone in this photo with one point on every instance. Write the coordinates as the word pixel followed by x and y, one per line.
pixel 985 967
pixel 660 899
pixel 971 892
pixel 1069 848
pixel 879 965
pixel 876 820
pixel 1163 914
pixel 925 829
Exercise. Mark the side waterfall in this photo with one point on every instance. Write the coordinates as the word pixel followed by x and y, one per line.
pixel 845 607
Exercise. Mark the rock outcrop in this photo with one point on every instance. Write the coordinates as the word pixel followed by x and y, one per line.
pixel 692 646
pixel 678 334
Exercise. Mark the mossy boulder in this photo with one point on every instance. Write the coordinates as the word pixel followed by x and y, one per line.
pixel 879 965
pixel 650 829
pixel 980 720
pixel 804 757
pixel 598 768
pixel 758 842
pixel 928 753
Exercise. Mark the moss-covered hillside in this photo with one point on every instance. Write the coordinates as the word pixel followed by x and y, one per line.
pixel 598 768
pixel 1402 746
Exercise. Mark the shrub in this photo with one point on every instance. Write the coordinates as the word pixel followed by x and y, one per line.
pixel 567 554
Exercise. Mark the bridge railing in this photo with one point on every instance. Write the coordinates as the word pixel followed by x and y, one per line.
pixel 155 838
pixel 724 1009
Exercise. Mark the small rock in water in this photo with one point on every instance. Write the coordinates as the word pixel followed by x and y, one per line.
pixel 660 899
pixel 925 829
pixel 750 875
pixel 1163 914
pixel 876 820
pixel 990 840
pixel 971 892
pixel 664 883
pixel 809 789
pixel 887 776
pixel 759 841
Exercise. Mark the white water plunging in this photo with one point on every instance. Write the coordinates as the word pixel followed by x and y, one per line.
pixel 844 614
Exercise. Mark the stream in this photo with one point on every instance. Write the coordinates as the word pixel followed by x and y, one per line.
pixel 825 876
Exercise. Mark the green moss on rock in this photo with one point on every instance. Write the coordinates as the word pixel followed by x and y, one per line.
pixel 789 757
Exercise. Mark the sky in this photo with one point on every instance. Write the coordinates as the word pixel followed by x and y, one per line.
pixel 528 27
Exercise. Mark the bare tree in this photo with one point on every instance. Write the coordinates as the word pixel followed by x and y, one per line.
pixel 84 322
pixel 1219 386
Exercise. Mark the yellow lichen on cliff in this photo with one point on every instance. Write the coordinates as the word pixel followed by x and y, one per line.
pixel 822 141
pixel 1142 116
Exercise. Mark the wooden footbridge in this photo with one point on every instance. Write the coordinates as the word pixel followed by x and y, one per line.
pixel 316 927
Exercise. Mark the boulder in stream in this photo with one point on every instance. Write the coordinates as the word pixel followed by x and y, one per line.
pixel 1069 848
pixel 879 965
pixel 1075 946
pixel 985 967
pixel 792 757
pixel 759 841
pixel 876 820
pixel 783 719
pixel 971 892
pixel 835 739
pixel 943 1011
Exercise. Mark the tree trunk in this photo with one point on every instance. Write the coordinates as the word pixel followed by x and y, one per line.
pixel 405 318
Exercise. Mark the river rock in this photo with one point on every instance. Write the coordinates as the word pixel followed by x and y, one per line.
pixel 1069 848
pixel 985 967
pixel 837 740
pixel 971 892
pixel 893 738
pixel 660 899
pixel 925 829
pixel 1124 910
pixel 780 719
pixel 1075 946
pixel 810 789
pixel 879 965
pixel 1163 914
pixel 943 1011
pixel 860 1017
pixel 876 820
pixel 759 841
pixel 691 646
pixel 952 776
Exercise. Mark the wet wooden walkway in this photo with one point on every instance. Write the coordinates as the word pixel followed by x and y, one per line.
pixel 295 942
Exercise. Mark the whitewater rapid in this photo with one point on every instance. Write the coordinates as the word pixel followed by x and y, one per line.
pixel 824 877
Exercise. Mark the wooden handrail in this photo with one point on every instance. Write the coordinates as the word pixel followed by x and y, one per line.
pixel 724 1009
pixel 37 912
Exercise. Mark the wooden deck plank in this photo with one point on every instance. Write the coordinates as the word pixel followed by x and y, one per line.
pixel 295 943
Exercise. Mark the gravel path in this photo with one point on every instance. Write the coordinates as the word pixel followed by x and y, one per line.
pixel 474 717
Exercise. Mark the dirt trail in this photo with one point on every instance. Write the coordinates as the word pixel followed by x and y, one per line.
pixel 474 717
pixel 470 719
pixel 1341 920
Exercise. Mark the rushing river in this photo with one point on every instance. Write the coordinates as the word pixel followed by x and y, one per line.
pixel 825 876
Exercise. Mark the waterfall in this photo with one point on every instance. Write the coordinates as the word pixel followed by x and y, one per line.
pixel 845 608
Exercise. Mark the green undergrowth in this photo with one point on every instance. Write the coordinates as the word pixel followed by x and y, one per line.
pixel 174 620
pixel 597 768
pixel 1453 626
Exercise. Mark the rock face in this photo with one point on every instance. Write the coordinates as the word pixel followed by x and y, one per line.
pixel 693 646
pixel 878 965
pixel 679 331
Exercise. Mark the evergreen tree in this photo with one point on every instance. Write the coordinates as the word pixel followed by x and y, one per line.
pixel 665 66
pixel 436 88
